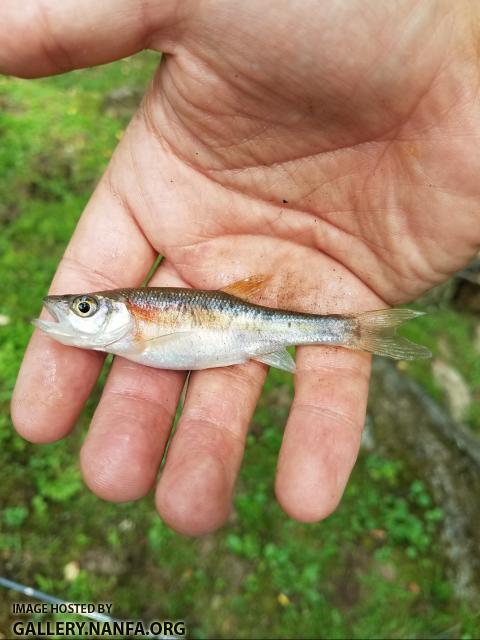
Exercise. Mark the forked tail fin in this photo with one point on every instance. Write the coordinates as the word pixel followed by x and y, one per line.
pixel 376 332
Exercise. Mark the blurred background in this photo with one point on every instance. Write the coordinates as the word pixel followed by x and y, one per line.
pixel 399 559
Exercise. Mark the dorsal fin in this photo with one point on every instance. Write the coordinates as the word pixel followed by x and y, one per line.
pixel 247 288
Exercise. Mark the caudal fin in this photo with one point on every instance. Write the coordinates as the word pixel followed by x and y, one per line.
pixel 377 334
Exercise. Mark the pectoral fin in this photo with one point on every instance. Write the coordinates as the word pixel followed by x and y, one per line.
pixel 280 359
pixel 143 343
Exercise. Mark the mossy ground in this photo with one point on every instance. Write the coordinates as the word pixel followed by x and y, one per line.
pixel 373 569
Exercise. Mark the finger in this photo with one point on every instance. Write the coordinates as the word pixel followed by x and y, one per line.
pixel 323 432
pixel 126 440
pixel 45 37
pixel 195 490
pixel 106 251
pixel 124 447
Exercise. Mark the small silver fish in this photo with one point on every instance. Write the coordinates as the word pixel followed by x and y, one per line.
pixel 175 328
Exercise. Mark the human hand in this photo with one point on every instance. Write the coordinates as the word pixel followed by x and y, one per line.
pixel 333 145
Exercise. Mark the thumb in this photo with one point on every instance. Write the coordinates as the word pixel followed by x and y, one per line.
pixel 45 37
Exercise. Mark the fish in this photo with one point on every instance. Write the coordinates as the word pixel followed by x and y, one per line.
pixel 189 329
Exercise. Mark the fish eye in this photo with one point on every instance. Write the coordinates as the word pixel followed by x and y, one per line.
pixel 84 306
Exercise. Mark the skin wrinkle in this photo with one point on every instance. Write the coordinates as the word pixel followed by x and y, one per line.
pixel 151 125
pixel 189 161
pixel 134 164
pixel 148 20
pixel 377 63
pixel 61 46
pixel 51 43
pixel 210 405
pixel 417 267
pixel 416 272
pixel 207 410
pixel 149 205
pixel 402 123
pixel 116 194
pixel 383 136
pixel 165 144
pixel 203 435
pixel 375 190
pixel 465 257
pixel 308 378
pixel 386 258
pixel 256 97
pixel 161 413
pixel 282 97
pixel 430 280
pixel 76 264
pixel 235 114
pixel 99 279
pixel 104 483
pixel 348 372
pixel 278 97
pixel 325 411
pixel 241 377
pixel 187 102
pixel 221 427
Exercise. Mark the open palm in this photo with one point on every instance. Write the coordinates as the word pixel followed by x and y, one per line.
pixel 332 145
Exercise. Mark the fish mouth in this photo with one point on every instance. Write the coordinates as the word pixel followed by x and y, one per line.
pixel 53 325
pixel 49 305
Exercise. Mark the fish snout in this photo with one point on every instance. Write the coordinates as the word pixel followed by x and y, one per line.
pixel 55 305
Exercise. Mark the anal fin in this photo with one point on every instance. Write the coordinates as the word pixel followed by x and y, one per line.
pixel 280 359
